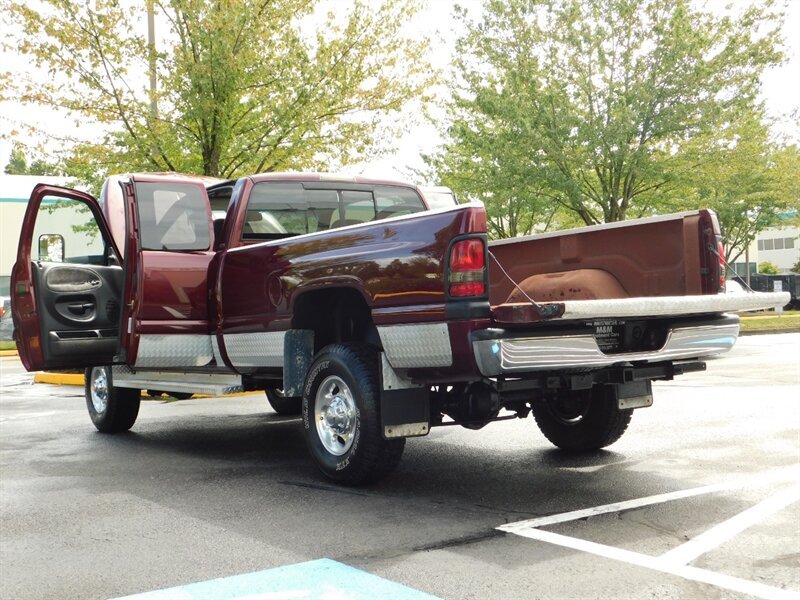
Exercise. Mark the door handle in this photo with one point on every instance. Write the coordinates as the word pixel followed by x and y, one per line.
pixel 80 308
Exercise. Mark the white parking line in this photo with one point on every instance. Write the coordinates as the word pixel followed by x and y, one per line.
pixel 657 564
pixel 719 534
pixel 675 561
pixel 777 476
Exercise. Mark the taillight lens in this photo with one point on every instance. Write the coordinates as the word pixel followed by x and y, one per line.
pixel 712 257
pixel 467 273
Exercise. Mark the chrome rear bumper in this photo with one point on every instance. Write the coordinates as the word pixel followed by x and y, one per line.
pixel 505 355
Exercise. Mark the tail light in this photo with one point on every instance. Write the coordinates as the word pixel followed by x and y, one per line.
pixel 467 273
pixel 712 254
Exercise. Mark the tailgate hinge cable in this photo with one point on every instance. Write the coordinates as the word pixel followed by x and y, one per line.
pixel 545 310
pixel 728 266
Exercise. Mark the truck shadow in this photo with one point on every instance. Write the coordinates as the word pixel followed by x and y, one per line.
pixel 252 474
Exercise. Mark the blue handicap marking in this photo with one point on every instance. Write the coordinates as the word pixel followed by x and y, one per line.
pixel 322 579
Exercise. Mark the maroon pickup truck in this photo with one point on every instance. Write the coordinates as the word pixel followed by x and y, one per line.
pixel 354 303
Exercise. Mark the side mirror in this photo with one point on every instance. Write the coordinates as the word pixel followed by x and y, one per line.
pixel 51 247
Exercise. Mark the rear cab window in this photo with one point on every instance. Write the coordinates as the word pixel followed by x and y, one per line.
pixel 277 210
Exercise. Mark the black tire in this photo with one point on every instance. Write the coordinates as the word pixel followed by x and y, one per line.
pixel 180 395
pixel 111 409
pixel 282 405
pixel 349 374
pixel 583 420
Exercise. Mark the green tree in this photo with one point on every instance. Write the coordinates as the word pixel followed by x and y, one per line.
pixel 750 181
pixel 244 85
pixel 18 164
pixel 768 268
pixel 17 161
pixel 587 104
pixel 796 267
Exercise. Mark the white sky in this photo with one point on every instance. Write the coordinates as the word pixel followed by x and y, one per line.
pixel 780 89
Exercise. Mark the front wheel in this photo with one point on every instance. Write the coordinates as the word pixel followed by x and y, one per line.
pixel 341 403
pixel 584 420
pixel 112 409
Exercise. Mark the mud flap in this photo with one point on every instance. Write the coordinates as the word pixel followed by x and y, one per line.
pixel 636 394
pixel 405 406
pixel 298 352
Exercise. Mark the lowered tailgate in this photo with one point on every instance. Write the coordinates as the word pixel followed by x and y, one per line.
pixel 581 334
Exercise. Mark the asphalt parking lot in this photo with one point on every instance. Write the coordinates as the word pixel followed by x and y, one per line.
pixel 698 499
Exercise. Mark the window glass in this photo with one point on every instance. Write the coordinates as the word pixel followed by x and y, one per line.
pixel 392 201
pixel 768 245
pixel 279 210
pixel 172 216
pixel 358 207
pixel 276 210
pixel 66 231
pixel 788 243
pixel 439 198
pixel 779 244
pixel 760 244
pixel 220 198
pixel 323 208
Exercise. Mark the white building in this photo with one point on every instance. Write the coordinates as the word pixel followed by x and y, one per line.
pixel 14 193
pixel 778 245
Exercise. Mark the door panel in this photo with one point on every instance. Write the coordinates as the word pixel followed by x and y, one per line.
pixel 79 308
pixel 66 297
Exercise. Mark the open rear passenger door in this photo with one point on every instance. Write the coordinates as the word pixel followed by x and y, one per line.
pixel 68 285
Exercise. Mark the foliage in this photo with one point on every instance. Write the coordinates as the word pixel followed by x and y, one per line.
pixel 244 85
pixel 796 267
pixel 18 164
pixel 768 268
pixel 748 180
pixel 588 105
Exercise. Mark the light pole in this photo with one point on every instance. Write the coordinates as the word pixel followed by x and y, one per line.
pixel 151 58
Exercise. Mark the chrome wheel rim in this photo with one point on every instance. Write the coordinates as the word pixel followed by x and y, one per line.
pixel 99 389
pixel 335 415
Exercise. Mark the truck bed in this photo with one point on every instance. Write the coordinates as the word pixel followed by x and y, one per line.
pixel 661 266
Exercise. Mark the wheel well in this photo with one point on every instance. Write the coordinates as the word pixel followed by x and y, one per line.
pixel 336 315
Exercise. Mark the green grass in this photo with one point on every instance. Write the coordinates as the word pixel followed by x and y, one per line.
pixel 8 346
pixel 771 321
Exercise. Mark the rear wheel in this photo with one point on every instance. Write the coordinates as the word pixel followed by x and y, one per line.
pixel 111 409
pixel 582 420
pixel 283 405
pixel 341 404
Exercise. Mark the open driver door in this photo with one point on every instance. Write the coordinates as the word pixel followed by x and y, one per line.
pixel 72 295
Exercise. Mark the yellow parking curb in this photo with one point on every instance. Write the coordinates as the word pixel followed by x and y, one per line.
pixel 59 378
pixel 9 353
